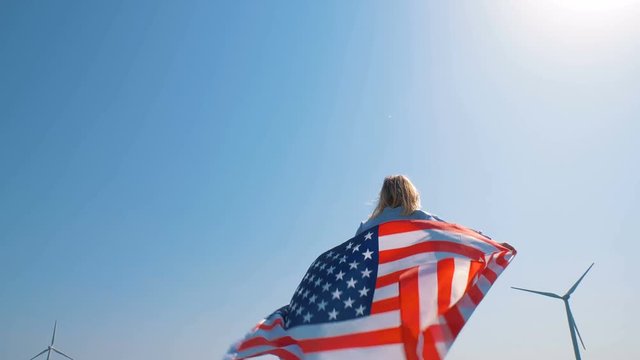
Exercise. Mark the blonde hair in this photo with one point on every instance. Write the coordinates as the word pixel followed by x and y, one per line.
pixel 397 190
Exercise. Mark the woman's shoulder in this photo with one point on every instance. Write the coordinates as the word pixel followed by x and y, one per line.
pixel 360 228
pixel 423 215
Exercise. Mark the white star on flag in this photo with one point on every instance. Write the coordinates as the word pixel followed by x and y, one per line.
pixel 333 314
pixel 336 294
pixel 307 317
pixel 348 303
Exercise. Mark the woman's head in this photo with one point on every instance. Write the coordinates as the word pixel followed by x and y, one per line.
pixel 397 190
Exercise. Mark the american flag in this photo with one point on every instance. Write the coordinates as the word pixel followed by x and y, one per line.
pixel 400 290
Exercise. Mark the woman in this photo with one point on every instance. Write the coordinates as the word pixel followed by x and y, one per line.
pixel 399 200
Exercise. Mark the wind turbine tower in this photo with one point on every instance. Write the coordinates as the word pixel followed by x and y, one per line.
pixel 573 328
pixel 50 348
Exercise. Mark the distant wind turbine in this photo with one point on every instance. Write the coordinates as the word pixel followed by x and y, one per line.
pixel 50 348
pixel 573 328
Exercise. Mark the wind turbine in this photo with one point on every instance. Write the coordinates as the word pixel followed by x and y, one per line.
pixel 573 328
pixel 50 348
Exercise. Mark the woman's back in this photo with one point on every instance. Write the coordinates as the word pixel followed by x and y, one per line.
pixel 390 214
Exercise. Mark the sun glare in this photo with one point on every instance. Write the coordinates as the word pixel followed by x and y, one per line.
pixel 594 5
pixel 581 32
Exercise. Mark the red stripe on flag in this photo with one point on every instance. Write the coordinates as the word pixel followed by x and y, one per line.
pixel 410 312
pixel 385 305
pixel 490 275
pixel 445 280
pixel 400 226
pixel 455 321
pixel 270 326
pixel 281 353
pixel 502 260
pixel 429 350
pixel 391 278
pixel 363 339
pixel 261 341
pixel 475 294
pixel 474 269
pixel 430 246
pixel 284 354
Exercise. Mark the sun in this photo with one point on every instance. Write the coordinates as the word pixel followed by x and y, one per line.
pixel 571 32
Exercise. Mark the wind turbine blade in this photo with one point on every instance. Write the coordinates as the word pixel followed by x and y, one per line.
pixel 539 292
pixel 61 353
pixel 579 336
pixel 575 326
pixel 54 332
pixel 42 352
pixel 573 288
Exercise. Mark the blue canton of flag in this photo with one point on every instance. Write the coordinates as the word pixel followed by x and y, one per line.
pixel 339 285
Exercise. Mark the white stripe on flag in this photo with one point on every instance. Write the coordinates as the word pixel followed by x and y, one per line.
pixel 460 279
pixel 382 352
pixel 415 260
pixel 483 284
pixel 294 349
pixel 386 292
pixel 428 290
pixel 494 266
pixel 466 307
pixel 400 240
pixel 374 322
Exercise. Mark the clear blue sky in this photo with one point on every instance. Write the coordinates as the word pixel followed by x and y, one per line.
pixel 169 169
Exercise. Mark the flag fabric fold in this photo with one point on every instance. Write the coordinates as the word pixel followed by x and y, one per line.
pixel 400 290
